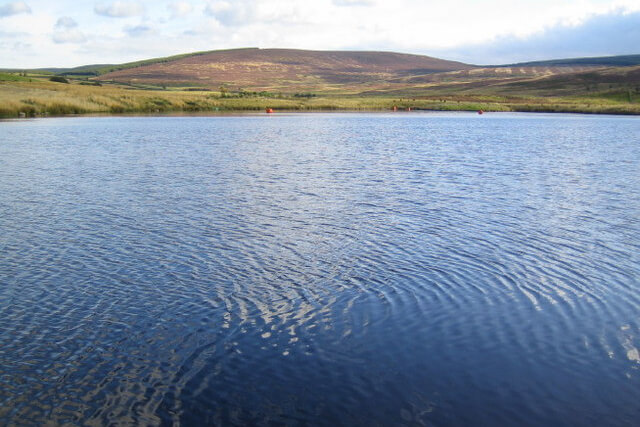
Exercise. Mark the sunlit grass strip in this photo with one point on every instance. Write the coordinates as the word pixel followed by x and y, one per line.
pixel 20 98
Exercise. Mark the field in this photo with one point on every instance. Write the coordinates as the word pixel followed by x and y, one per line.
pixel 43 98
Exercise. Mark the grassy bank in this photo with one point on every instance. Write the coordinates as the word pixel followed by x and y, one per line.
pixel 29 97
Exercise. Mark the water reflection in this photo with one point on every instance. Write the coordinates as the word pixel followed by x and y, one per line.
pixel 324 269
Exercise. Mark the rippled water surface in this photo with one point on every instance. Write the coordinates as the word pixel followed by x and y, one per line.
pixel 416 269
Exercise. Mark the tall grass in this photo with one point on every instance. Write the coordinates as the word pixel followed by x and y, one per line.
pixel 39 97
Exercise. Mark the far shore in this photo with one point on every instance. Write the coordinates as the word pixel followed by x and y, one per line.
pixel 261 113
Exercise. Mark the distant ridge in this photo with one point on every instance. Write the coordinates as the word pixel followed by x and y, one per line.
pixel 100 69
pixel 602 61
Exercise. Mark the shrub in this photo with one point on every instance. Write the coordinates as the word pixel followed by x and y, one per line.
pixel 59 79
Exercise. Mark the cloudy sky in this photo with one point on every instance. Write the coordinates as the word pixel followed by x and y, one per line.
pixel 63 33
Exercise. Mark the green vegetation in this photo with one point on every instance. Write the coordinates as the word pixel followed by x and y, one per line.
pixel 90 83
pixel 224 93
pixel 40 97
pixel 607 61
pixel 58 79
pixel 13 77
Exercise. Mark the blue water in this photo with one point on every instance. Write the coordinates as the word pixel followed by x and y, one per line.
pixel 320 269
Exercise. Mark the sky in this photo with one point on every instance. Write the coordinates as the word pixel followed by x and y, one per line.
pixel 65 33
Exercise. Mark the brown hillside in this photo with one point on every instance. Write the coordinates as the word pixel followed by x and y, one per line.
pixel 617 78
pixel 285 69
pixel 488 74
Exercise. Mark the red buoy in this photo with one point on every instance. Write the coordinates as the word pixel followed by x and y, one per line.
pixel 269 110
pixel 480 112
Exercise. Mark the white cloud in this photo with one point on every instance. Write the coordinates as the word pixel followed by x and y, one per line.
pixel 353 2
pixel 138 30
pixel 466 30
pixel 243 13
pixel 228 13
pixel 614 33
pixel 120 9
pixel 66 22
pixel 6 35
pixel 69 36
pixel 14 8
pixel 180 8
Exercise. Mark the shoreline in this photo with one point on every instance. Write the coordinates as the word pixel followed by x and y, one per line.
pixel 285 113
pixel 338 111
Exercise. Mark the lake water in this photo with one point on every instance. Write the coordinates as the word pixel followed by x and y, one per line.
pixel 321 269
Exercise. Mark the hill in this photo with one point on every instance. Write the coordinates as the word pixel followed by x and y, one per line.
pixel 602 81
pixel 99 69
pixel 602 61
pixel 541 82
pixel 358 73
pixel 281 69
